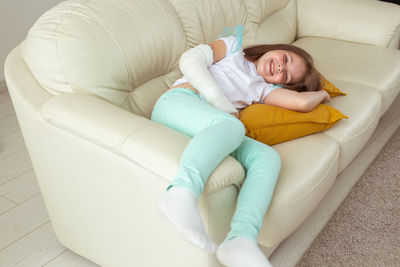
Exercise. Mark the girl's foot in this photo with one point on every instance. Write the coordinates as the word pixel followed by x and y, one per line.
pixel 179 206
pixel 241 252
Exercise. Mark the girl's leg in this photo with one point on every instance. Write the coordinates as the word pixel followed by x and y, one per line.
pixel 215 135
pixel 262 165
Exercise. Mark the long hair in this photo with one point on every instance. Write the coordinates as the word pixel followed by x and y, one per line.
pixel 311 80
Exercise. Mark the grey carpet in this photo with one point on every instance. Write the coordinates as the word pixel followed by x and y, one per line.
pixel 365 230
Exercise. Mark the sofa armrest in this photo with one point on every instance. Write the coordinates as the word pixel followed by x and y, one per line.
pixel 151 145
pixel 362 21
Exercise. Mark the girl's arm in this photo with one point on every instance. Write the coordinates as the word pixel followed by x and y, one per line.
pixel 218 48
pixel 194 65
pixel 301 102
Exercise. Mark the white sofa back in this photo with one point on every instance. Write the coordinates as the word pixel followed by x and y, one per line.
pixel 353 21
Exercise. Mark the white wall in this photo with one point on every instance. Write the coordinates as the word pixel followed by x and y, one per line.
pixel 16 17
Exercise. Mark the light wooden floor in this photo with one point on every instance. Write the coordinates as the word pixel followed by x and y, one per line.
pixel 26 236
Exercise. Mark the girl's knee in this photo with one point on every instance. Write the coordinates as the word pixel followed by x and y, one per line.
pixel 269 161
pixel 268 155
pixel 252 152
pixel 233 125
pixel 239 127
pixel 235 131
pixel 238 130
pixel 272 155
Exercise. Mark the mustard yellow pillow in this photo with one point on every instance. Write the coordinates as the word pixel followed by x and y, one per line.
pixel 330 88
pixel 272 125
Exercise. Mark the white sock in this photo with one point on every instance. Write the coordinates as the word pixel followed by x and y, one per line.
pixel 179 206
pixel 241 252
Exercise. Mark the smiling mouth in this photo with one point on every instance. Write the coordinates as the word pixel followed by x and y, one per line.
pixel 271 68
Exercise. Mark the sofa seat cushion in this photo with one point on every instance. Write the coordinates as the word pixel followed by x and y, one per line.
pixel 309 168
pixel 375 66
pixel 362 105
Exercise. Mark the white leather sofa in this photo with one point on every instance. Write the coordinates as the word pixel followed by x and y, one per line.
pixel 86 77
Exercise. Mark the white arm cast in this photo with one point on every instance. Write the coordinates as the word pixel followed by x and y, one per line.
pixel 194 65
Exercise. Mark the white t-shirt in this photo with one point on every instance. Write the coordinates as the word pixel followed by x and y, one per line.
pixel 237 77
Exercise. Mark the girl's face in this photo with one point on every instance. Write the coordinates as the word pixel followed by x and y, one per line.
pixel 281 67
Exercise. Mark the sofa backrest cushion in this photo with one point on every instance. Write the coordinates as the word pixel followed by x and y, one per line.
pixel 115 49
pixel 204 20
pixel 270 22
pixel 341 21
pixel 128 51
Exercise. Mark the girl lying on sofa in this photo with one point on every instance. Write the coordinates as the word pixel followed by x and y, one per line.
pixel 219 80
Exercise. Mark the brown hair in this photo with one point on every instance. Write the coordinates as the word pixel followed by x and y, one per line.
pixel 311 80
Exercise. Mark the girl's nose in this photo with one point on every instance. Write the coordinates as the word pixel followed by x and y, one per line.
pixel 279 67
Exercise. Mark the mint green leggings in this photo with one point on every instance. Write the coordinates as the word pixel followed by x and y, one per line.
pixel 216 134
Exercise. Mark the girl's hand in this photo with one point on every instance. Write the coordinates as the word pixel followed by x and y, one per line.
pixel 326 97
pixel 236 115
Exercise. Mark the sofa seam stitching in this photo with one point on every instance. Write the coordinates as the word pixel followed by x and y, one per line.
pixel 50 115
pixel 57 40
pixel 316 185
pixel 133 133
pixel 95 18
pixel 366 128
pixel 397 29
pixel 104 145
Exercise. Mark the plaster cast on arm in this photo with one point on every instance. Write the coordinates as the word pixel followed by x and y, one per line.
pixel 194 65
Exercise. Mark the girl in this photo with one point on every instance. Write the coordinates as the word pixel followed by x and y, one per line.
pixel 219 80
